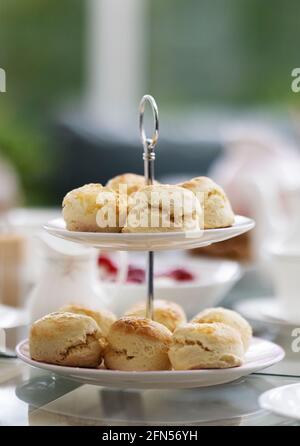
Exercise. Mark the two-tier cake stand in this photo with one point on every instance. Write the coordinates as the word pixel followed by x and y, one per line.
pixel 150 242
pixel 261 353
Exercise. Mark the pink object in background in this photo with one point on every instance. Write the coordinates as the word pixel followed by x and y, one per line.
pixel 260 172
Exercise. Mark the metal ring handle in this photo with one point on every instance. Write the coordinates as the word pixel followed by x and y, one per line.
pixel 149 143
pixel 149 159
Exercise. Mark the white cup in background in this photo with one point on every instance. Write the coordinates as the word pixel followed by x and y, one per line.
pixel 285 263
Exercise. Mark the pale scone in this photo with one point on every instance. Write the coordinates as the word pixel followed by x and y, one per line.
pixel 93 208
pixel 131 181
pixel 228 317
pixel 104 318
pixel 67 339
pixel 206 346
pixel 215 203
pixel 165 312
pixel 137 344
pixel 163 208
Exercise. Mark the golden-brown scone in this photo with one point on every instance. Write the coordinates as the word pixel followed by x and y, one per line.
pixel 137 344
pixel 238 248
pixel 163 208
pixel 132 181
pixel 67 339
pixel 93 208
pixel 104 318
pixel 215 203
pixel 228 317
pixel 206 346
pixel 165 312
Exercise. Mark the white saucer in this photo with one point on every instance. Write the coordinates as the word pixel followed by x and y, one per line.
pixel 260 355
pixel 263 309
pixel 150 241
pixel 274 313
pixel 284 401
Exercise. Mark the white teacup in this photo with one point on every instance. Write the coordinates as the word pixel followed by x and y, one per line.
pixel 286 276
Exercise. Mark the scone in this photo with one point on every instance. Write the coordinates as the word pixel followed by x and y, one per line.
pixel 215 203
pixel 206 346
pixel 67 339
pixel 165 312
pixel 137 344
pixel 131 181
pixel 228 317
pixel 104 318
pixel 94 208
pixel 163 208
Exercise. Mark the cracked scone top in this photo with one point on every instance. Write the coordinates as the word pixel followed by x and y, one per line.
pixel 205 346
pixel 132 181
pixel 163 208
pixel 104 318
pixel 137 344
pixel 67 339
pixel 81 207
pixel 228 317
pixel 165 312
pixel 215 203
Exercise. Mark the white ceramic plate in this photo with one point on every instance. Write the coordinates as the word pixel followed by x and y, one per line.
pixel 260 355
pixel 150 241
pixel 263 309
pixel 284 401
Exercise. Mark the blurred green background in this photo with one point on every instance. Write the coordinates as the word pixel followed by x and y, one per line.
pixel 200 53
pixel 41 48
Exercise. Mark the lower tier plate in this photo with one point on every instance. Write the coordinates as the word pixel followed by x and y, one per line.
pixel 260 355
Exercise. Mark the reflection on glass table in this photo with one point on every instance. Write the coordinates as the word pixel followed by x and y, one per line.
pixel 30 397
pixel 231 404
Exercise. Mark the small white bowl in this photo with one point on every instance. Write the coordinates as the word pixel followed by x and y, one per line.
pixel 215 279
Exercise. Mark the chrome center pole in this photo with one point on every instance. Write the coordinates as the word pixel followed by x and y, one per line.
pixel 149 159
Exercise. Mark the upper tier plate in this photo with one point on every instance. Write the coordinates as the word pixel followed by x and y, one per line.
pixel 150 241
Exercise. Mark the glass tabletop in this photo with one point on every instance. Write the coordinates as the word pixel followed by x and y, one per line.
pixel 31 397
pixel 34 398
